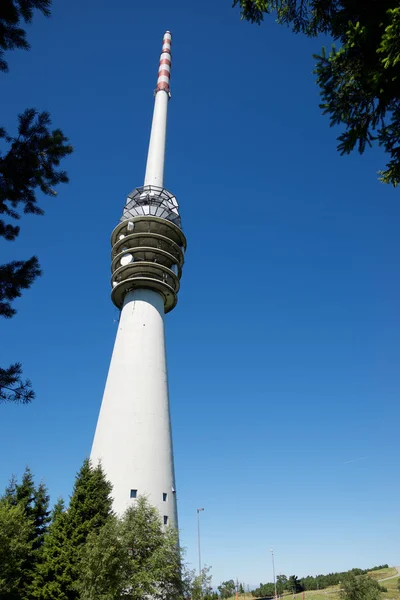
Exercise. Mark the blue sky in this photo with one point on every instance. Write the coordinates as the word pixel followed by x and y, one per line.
pixel 284 348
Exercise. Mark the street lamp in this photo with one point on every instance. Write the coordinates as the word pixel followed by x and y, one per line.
pixel 198 536
pixel 273 570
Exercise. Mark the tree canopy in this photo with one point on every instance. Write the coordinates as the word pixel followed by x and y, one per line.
pixel 89 509
pixel 227 588
pixel 133 557
pixel 30 164
pixel 359 81
pixel 360 587
pixel 311 582
pixel 15 548
pixel 198 587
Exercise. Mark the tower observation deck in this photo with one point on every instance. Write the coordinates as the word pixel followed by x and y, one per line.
pixel 148 246
pixel 133 438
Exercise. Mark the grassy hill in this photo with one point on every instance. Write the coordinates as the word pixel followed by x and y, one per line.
pixel 393 592
pixel 332 593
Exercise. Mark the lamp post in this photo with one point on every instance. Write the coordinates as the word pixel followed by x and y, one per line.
pixel 198 536
pixel 273 570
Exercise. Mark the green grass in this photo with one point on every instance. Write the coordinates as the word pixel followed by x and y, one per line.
pixel 393 592
pixel 332 593
pixel 382 573
pixel 329 593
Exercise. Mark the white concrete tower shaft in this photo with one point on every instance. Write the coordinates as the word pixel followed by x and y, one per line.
pixel 133 437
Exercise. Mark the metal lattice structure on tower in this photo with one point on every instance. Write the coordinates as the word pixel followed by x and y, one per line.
pixel 133 437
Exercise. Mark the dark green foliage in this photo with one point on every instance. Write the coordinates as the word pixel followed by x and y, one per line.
pixel 30 163
pixel 281 584
pixel 40 514
pixel 90 503
pixel 88 511
pixel 12 386
pixel 12 12
pixel 87 552
pixel 15 549
pixel 34 503
pixel 15 276
pixel 227 588
pixel 265 590
pixel 318 582
pixel 53 576
pixel 360 587
pixel 294 585
pixel 359 82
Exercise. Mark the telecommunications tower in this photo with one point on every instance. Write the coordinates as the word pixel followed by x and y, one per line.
pixel 133 435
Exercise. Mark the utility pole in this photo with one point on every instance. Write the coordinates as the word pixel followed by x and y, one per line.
pixel 199 510
pixel 273 570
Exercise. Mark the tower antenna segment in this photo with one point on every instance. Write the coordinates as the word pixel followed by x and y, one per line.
pixel 133 437
pixel 156 156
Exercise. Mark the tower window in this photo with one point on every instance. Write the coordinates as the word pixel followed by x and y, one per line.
pixel 133 493
pixel 165 520
pixel 164 497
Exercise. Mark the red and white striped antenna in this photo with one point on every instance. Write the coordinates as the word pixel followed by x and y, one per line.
pixel 156 155
pixel 164 69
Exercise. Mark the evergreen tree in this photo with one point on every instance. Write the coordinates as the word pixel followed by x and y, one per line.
pixel 29 164
pixel 34 501
pixel 88 511
pixel 294 584
pixel 281 583
pixel 40 514
pixel 15 548
pixel 52 577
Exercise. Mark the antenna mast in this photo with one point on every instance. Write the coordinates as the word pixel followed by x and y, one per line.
pixel 156 155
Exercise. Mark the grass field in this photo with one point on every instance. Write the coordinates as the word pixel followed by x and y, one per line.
pixel 393 592
pixel 329 593
pixel 332 593
pixel 382 573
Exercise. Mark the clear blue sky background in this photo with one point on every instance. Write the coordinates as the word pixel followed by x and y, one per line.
pixel 284 349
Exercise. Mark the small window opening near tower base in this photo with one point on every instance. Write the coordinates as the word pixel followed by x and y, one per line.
pixel 165 520
pixel 133 494
pixel 164 496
